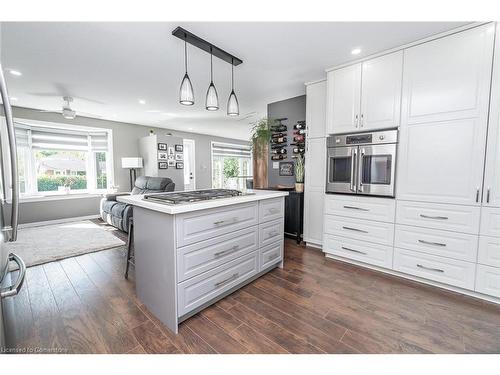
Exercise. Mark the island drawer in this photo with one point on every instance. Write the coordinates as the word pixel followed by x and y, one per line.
pixel 444 270
pixel 203 256
pixel 490 221
pixel 197 226
pixel 271 254
pixel 203 288
pixel 271 232
pixel 369 208
pixel 271 209
pixel 358 229
pixel 362 251
pixel 489 251
pixel 488 280
pixel 459 246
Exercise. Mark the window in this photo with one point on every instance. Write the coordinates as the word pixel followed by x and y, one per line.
pixel 231 165
pixel 59 160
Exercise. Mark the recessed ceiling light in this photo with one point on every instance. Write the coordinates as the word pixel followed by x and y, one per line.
pixel 190 128
pixel 15 72
pixel 13 99
pixel 142 101
pixel 356 51
pixel 153 110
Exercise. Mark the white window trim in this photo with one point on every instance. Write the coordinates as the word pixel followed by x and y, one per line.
pixel 212 157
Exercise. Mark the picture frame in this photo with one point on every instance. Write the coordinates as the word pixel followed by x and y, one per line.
pixel 179 157
pixel 179 148
pixel 171 163
pixel 171 157
pixel 162 165
pixel 179 165
pixel 171 150
pixel 162 155
pixel 286 168
pixel 162 146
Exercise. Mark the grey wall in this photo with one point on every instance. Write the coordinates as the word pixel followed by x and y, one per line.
pixel 295 110
pixel 125 144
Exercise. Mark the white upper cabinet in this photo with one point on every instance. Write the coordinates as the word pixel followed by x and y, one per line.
pixel 343 99
pixel 491 190
pixel 381 92
pixel 366 95
pixel 444 118
pixel 316 109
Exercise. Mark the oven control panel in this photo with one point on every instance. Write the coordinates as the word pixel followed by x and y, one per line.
pixel 358 139
pixel 376 137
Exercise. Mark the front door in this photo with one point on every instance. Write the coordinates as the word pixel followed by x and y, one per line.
pixel 189 165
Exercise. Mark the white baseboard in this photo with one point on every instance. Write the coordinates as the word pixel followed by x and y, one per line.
pixel 58 221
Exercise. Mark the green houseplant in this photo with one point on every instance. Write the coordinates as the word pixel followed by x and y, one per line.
pixel 299 173
pixel 260 138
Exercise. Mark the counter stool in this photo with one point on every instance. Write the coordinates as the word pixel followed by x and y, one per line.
pixel 130 246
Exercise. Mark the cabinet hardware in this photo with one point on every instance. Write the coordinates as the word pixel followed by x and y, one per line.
pixel 234 219
pixel 356 121
pixel 488 195
pixel 354 251
pixel 429 268
pixel 272 234
pixel 361 121
pixel 355 229
pixel 356 208
pixel 228 251
pixel 434 217
pixel 272 256
pixel 431 243
pixel 477 194
pixel 272 210
pixel 228 280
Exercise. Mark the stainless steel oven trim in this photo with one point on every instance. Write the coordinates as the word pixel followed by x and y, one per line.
pixel 376 189
pixel 340 187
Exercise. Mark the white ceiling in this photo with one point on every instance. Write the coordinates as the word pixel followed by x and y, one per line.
pixel 116 64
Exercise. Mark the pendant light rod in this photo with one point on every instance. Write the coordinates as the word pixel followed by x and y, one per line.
pixel 202 44
pixel 211 67
pixel 232 76
pixel 185 53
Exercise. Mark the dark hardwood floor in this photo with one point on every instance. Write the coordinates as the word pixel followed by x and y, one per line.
pixel 313 305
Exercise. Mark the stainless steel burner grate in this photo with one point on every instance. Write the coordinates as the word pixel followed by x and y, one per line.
pixel 192 196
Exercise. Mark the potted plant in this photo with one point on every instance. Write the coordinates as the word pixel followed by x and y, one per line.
pixel 231 171
pixel 299 174
pixel 260 138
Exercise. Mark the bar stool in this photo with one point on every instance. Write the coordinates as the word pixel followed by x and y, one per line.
pixel 130 246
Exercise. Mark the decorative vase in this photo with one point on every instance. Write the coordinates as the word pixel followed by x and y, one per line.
pixel 299 187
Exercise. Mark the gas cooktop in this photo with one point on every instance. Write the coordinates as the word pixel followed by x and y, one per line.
pixel 192 196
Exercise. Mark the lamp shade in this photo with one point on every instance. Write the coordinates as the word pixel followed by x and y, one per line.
pixel 131 162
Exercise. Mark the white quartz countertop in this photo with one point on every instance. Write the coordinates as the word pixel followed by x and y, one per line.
pixel 172 209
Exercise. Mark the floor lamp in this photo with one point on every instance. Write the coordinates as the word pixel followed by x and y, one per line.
pixel 132 164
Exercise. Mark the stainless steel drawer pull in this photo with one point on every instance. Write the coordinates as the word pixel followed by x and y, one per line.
pixel 273 210
pixel 356 208
pixel 272 234
pixel 228 251
pixel 488 195
pixel 273 256
pixel 355 229
pixel 434 217
pixel 233 220
pixel 429 268
pixel 432 243
pixel 354 251
pixel 228 280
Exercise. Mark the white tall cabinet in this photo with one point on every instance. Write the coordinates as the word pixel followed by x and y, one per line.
pixel 314 190
pixel 366 95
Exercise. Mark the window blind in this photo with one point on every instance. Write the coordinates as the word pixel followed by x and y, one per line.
pixel 230 150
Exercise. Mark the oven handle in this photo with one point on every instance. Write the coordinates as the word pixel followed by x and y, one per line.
pixel 359 173
pixel 354 153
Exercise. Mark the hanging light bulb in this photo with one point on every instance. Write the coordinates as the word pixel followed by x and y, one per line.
pixel 212 100
pixel 186 94
pixel 233 108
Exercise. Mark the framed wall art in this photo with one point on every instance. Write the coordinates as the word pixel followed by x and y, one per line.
pixel 162 146
pixel 162 165
pixel 179 165
pixel 179 148
pixel 286 168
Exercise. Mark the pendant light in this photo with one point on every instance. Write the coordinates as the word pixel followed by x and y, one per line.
pixel 212 100
pixel 186 94
pixel 233 108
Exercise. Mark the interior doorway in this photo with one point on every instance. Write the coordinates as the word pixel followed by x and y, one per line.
pixel 189 164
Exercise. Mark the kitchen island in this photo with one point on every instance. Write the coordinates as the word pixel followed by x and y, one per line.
pixel 190 255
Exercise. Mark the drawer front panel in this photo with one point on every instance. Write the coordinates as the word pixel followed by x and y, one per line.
pixel 437 242
pixel 203 256
pixel 488 280
pixel 463 219
pixel 490 221
pixel 271 254
pixel 271 209
pixel 271 232
pixel 489 251
pixel 444 270
pixel 368 208
pixel 372 231
pixel 197 226
pixel 202 288
pixel 379 255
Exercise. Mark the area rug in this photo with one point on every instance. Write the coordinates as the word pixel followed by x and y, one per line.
pixel 43 244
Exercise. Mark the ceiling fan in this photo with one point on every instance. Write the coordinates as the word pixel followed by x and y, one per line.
pixel 67 112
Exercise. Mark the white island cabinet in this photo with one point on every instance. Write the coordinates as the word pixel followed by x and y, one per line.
pixel 190 255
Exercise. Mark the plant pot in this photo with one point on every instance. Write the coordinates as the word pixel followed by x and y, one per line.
pixel 299 187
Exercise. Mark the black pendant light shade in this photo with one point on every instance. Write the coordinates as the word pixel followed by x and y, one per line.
pixel 212 99
pixel 233 107
pixel 186 93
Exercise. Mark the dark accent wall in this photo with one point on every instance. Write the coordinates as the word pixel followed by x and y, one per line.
pixel 295 110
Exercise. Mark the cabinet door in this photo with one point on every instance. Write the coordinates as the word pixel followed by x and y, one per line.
pixel 343 99
pixel 316 110
pixel 314 191
pixel 381 91
pixel 444 117
pixel 491 193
